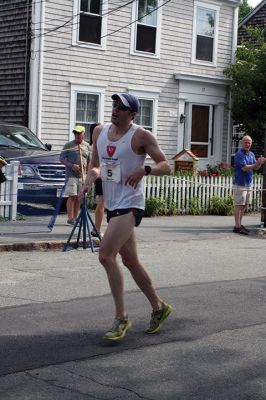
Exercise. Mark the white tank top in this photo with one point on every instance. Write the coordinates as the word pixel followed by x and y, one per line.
pixel 117 161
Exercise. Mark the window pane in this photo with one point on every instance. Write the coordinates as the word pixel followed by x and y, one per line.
pixel 91 6
pixel 145 115
pixel 87 111
pixel 204 48
pixel 205 22
pixel 90 28
pixel 147 7
pixel 146 38
pixel 87 107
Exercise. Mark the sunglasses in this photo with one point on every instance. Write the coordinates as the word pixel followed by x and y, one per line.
pixel 120 106
pixel 77 133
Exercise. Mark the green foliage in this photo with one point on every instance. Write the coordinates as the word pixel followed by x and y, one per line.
pixel 179 174
pixel 154 206
pixel 244 9
pixel 20 217
pixel 221 169
pixel 171 206
pixel 222 205
pixel 249 84
pixel 194 206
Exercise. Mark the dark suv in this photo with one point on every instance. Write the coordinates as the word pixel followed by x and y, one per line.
pixel 41 175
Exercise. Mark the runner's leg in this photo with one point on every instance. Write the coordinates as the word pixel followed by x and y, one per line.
pixel 130 259
pixel 118 231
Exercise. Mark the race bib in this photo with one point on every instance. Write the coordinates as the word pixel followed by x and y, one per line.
pixel 111 172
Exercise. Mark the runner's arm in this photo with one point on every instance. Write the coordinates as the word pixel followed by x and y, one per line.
pixel 146 142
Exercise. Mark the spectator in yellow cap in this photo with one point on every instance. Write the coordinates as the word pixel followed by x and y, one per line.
pixel 75 156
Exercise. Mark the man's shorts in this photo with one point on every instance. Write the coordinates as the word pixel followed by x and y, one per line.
pixel 98 187
pixel 137 212
pixel 242 195
pixel 73 186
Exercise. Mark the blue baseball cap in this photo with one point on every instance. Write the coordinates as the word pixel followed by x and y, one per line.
pixel 128 99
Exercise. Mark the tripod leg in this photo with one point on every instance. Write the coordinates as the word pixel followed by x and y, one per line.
pixel 89 232
pixel 71 233
pixel 56 210
pixel 78 221
pixel 84 224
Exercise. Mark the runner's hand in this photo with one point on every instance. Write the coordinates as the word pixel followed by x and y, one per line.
pixel 135 177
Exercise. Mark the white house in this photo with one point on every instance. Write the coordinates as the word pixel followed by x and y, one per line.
pixel 170 53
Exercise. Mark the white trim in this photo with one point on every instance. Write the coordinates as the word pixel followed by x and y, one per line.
pixel 87 88
pixel 229 130
pixel 181 129
pixel 202 78
pixel 235 34
pixel 133 36
pixel 36 71
pixel 218 133
pixel 75 29
pixel 211 5
pixel 82 83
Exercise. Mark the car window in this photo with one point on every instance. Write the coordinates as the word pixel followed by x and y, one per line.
pixel 20 137
pixel 5 141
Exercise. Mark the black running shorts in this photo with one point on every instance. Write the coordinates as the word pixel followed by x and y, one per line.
pixel 138 213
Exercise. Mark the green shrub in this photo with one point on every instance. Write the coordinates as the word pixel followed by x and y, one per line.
pixel 154 206
pixel 20 217
pixel 171 206
pixel 222 205
pixel 194 206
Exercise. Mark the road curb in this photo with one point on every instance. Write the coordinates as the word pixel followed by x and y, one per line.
pixel 44 246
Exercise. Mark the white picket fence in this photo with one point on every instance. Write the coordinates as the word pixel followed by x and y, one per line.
pixel 181 190
pixel 8 191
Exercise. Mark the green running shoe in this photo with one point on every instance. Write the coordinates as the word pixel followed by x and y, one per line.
pixel 157 318
pixel 118 330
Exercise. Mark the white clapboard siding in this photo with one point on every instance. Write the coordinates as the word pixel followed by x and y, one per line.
pixel 8 191
pixel 116 69
pixel 182 190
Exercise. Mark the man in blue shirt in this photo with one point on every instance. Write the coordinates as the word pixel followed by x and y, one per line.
pixel 244 165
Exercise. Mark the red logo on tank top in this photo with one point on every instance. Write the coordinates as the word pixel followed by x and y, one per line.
pixel 111 150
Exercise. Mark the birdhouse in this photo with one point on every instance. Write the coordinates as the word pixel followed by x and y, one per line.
pixel 185 161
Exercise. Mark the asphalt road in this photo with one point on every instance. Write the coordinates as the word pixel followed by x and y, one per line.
pixel 54 308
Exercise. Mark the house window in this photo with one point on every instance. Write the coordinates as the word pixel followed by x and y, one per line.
pixel 87 111
pixel 205 33
pixel 90 21
pixel 86 105
pixel 147 15
pixel 145 114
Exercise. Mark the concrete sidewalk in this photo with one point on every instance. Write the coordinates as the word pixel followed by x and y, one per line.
pixel 32 233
